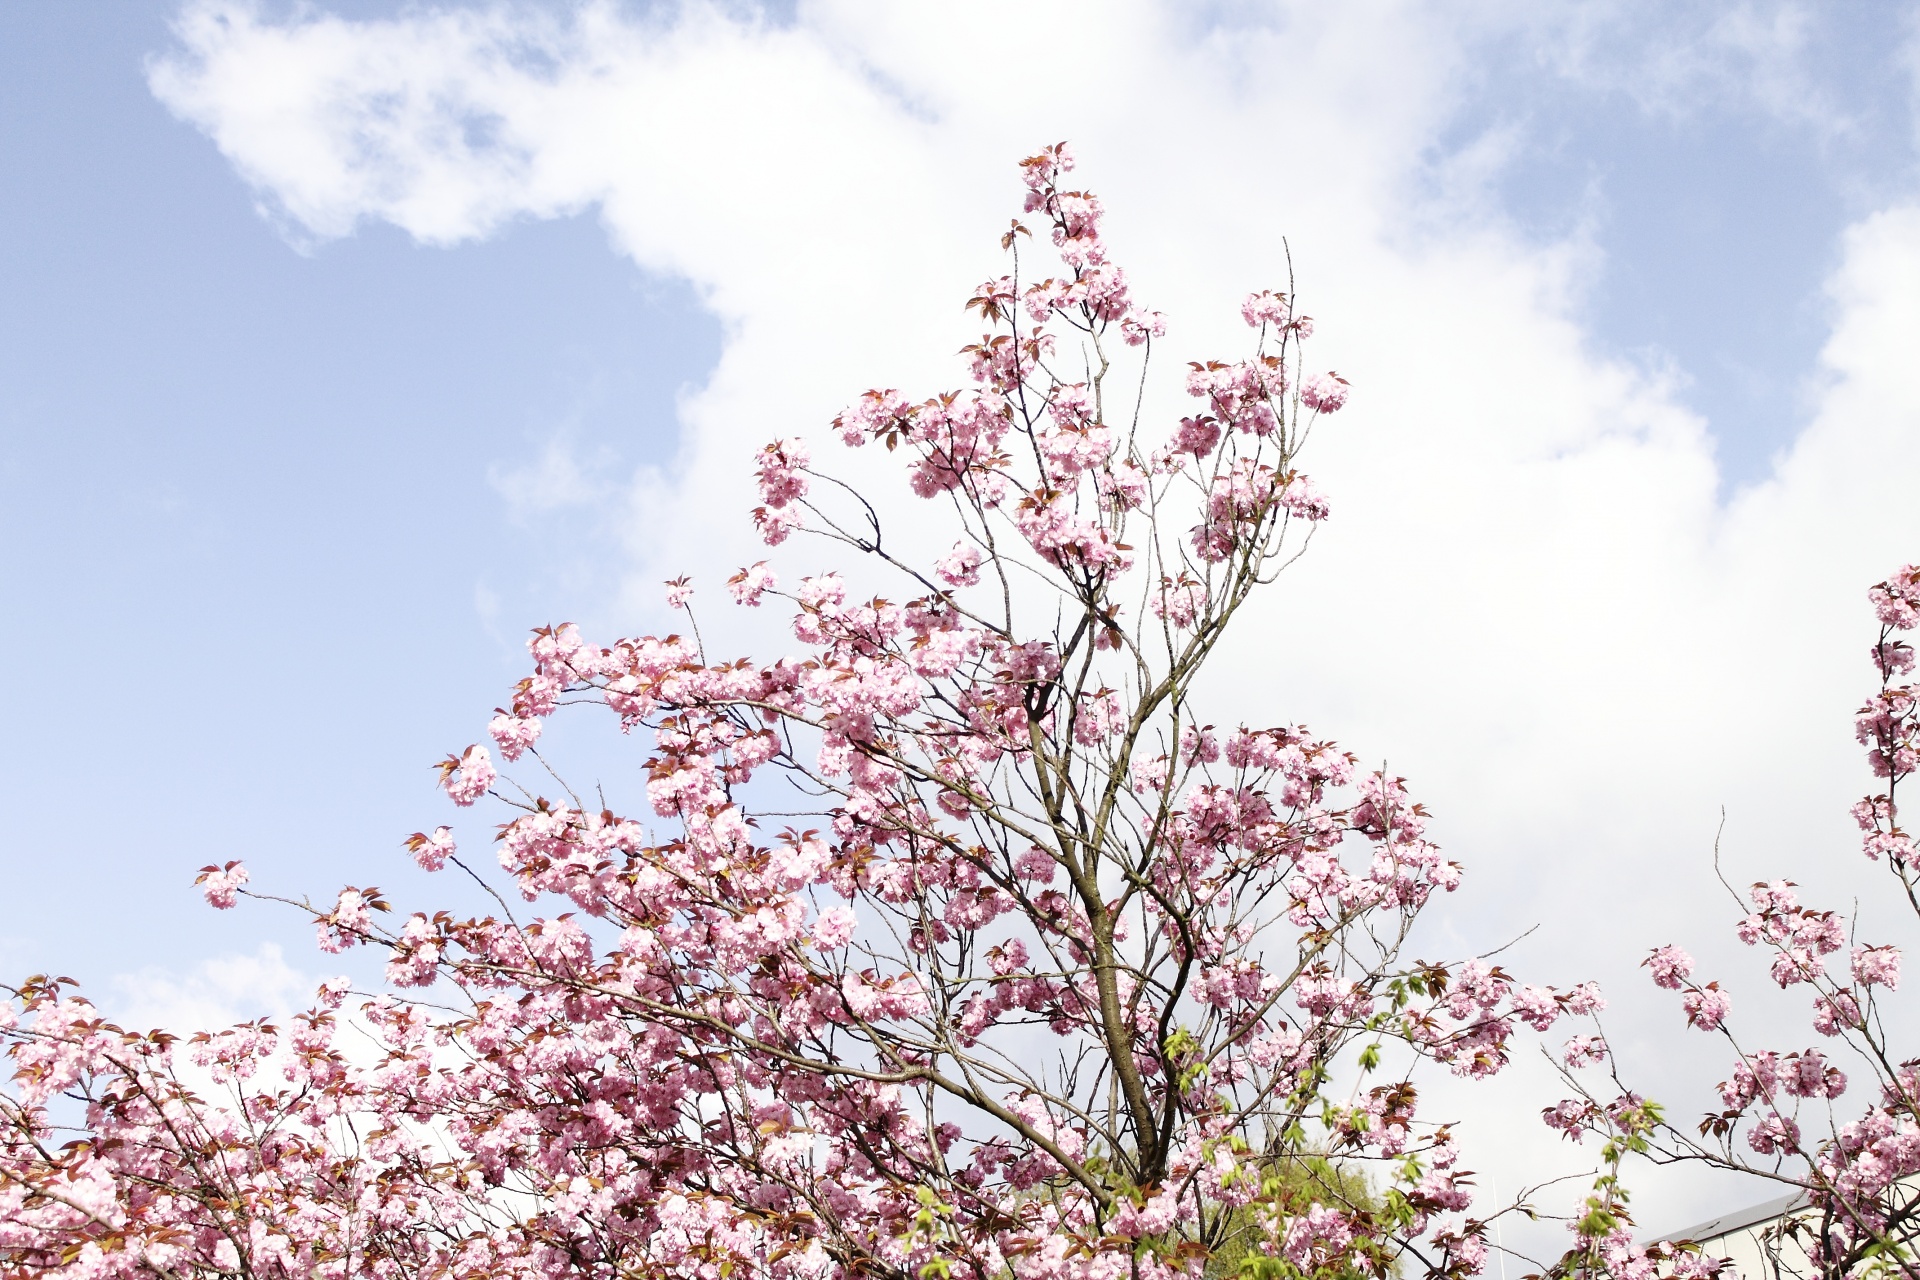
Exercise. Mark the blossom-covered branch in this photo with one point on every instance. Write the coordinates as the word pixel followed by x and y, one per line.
pixel 1052 977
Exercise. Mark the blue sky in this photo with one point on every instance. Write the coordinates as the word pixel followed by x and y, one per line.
pixel 259 576
pixel 312 405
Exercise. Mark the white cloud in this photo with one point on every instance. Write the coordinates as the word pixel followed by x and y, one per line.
pixel 1674 57
pixel 1530 596
pixel 218 993
pixel 557 480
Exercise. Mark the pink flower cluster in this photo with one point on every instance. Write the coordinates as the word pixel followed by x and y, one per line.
pixel 1889 724
pixel 469 775
pixel 1705 1006
pixel 782 473
pixel 221 883
pixel 1096 293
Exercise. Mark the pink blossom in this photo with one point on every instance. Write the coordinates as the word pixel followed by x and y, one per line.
pixel 1820 932
pixel 1795 964
pixel 782 472
pixel 960 567
pixel 1181 603
pixel 1570 1117
pixel 1265 307
pixel 752 582
pixel 1755 1077
pixel 1581 1051
pixel 1897 600
pixel 220 884
pixel 1036 866
pixel 1536 1007
pixel 1877 966
pixel 1774 896
pixel 415 960
pixel 1098 718
pixel 1198 744
pixel 823 592
pixel 1304 500
pixel 347 924
pixel 1324 392
pixel 1148 776
pixel 1197 436
pixel 1317 1237
pixel 468 776
pixel 1896 847
pixel 1893 657
pixel 774 524
pixel 1671 967
pixel 1836 1013
pixel 431 849
pixel 1009 957
pixel 679 591
pixel 834 929
pixel 513 734
pixel 1807 1075
pixel 1774 1133
pixel 1706 1007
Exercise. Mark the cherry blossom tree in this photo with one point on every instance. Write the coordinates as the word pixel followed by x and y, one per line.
pixel 958 942
pixel 1835 1122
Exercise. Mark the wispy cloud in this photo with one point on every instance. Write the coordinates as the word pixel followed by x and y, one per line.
pixel 217 993
pixel 556 481
pixel 1680 58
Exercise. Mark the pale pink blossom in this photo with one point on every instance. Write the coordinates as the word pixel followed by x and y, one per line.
pixel 834 928
pixel 1324 392
pixel 1570 1117
pixel 752 582
pixel 220 884
pixel 1835 1014
pixel 960 567
pixel 1265 307
pixel 431 849
pixel 1304 500
pixel 1535 1006
pixel 468 776
pixel 1897 600
pixel 1181 603
pixel 1774 1133
pixel 1582 1051
pixel 1197 436
pixel 782 472
pixel 1671 967
pixel 774 524
pixel 1706 1007
pixel 514 735
pixel 1877 966
pixel 1036 866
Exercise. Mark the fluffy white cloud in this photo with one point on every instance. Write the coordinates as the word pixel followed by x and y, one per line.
pixel 1530 599
pixel 218 993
